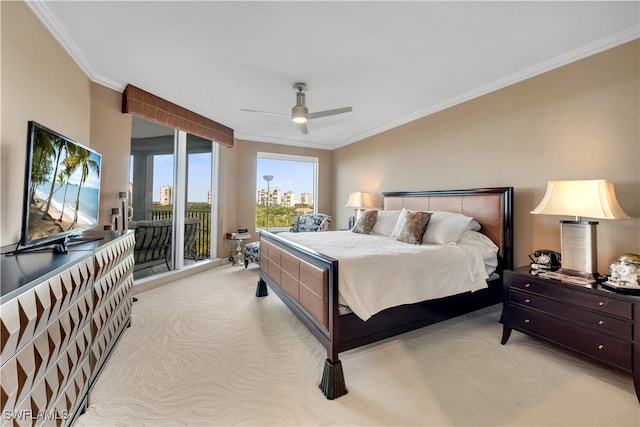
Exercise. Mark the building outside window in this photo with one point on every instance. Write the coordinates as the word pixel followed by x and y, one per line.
pixel 292 192
pixel 166 195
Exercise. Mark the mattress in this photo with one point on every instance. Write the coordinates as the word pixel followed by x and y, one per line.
pixel 376 272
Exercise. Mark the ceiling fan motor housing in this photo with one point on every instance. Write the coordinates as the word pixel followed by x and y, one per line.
pixel 299 113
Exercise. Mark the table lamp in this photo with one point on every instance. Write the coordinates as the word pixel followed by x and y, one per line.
pixel 580 198
pixel 359 200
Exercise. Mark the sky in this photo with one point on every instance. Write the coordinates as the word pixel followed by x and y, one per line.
pixel 199 177
pixel 287 175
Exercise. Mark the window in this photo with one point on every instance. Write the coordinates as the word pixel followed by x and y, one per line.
pixel 290 192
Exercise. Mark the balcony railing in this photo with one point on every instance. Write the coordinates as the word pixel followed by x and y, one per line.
pixel 203 240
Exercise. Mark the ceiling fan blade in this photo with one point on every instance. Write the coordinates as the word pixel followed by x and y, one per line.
pixel 267 113
pixel 333 112
pixel 303 128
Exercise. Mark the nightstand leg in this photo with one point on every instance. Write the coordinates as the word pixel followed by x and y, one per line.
pixel 239 252
pixel 506 333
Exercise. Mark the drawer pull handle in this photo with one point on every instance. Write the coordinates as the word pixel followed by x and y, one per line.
pixel 600 303
pixel 527 285
pixel 526 320
pixel 600 347
pixel 600 322
pixel 527 300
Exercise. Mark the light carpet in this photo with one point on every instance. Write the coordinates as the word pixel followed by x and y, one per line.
pixel 205 351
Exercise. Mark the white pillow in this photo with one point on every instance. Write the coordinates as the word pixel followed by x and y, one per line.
pixel 474 225
pixel 446 227
pixel 402 218
pixel 488 249
pixel 386 222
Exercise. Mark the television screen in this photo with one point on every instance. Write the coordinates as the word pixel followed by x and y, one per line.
pixel 62 188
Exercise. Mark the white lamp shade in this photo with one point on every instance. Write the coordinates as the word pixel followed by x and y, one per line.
pixel 358 200
pixel 581 198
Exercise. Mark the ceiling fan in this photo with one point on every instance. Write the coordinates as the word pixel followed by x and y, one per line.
pixel 300 114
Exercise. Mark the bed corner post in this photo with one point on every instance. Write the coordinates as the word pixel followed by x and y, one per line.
pixel 261 289
pixel 332 384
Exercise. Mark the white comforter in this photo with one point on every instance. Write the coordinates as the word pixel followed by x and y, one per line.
pixel 377 272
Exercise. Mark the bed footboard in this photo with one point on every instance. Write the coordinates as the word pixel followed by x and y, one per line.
pixel 307 282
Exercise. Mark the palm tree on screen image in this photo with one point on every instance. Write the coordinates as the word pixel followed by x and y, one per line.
pixel 58 144
pixel 63 179
pixel 41 165
pixel 79 158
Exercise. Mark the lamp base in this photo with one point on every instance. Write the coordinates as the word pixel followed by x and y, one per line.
pixel 579 246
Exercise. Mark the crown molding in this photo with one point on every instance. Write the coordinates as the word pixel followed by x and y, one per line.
pixel 42 12
pixel 292 142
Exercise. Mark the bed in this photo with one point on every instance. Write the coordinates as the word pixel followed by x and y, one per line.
pixel 308 280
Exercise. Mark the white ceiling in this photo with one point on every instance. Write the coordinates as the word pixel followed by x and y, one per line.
pixel 393 62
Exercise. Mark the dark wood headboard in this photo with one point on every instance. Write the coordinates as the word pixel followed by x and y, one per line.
pixel 491 207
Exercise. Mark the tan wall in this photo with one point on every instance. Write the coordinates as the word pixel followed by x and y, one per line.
pixel 39 82
pixel 247 152
pixel 111 137
pixel 61 97
pixel 228 191
pixel 580 121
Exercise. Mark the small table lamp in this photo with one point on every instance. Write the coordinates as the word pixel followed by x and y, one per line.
pixel 359 200
pixel 587 198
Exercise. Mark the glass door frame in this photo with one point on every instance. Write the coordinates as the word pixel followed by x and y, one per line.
pixel 180 180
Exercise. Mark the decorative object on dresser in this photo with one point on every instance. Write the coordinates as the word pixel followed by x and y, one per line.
pixel 60 317
pixel 624 274
pixel 124 199
pixel 588 319
pixel 359 201
pixel 309 282
pixel 585 198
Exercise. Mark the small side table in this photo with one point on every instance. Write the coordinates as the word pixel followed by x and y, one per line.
pixel 238 256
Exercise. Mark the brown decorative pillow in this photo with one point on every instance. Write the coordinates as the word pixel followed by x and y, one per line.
pixel 414 227
pixel 365 222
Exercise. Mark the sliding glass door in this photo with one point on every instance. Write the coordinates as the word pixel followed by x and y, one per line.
pixel 172 188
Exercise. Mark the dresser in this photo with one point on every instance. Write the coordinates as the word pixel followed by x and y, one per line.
pixel 597 323
pixel 60 315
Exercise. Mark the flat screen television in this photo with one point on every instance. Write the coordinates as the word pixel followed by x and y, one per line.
pixel 62 189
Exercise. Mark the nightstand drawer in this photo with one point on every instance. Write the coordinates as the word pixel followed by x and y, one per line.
pixel 595 320
pixel 611 350
pixel 576 296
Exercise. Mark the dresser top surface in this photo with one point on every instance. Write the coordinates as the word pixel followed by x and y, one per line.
pixel 596 287
pixel 19 273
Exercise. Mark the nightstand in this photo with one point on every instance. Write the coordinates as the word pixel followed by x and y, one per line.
pixel 588 319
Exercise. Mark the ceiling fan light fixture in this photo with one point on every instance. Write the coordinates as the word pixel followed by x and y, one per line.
pixel 299 114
